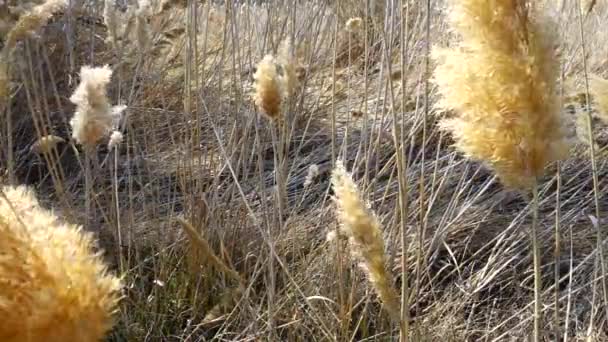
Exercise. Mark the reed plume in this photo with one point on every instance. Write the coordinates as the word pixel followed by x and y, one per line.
pixel 354 24
pixel 53 285
pixel 362 228
pixel 115 139
pixel 500 80
pixel 94 116
pixel 268 89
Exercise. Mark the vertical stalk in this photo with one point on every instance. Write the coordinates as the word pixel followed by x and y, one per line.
pixel 557 250
pixel 117 208
pixel 88 182
pixel 536 262
pixel 596 193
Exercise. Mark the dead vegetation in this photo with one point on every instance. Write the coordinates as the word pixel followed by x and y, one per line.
pixel 222 221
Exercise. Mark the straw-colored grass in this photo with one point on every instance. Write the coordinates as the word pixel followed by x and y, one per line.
pixel 217 220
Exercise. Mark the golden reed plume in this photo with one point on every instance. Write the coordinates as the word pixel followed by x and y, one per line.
pixel 500 81
pixel 53 286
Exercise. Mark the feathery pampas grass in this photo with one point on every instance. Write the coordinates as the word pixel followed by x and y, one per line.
pixel 115 139
pixel 268 88
pixel 94 116
pixel 362 228
pixel 53 286
pixel 501 82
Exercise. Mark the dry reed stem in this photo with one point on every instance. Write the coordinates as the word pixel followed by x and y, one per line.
pixel 53 286
pixel 501 82
pixel 205 251
pixel 361 226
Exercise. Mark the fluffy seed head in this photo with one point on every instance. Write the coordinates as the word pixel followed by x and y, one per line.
pixel 115 139
pixel 53 286
pixel 500 81
pixel 365 237
pixel 93 117
pixel 311 176
pixel 268 90
pixel 354 24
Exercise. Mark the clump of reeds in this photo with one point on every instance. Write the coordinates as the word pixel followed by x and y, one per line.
pixel 598 87
pixel 501 81
pixel 363 230
pixel 268 88
pixel 53 285
pixel 94 116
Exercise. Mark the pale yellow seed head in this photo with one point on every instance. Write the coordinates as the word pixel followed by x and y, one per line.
pixel 362 228
pixel 500 81
pixel 354 24
pixel 268 92
pixel 53 286
pixel 94 115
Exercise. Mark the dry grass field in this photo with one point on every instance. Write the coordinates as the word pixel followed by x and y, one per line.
pixel 282 170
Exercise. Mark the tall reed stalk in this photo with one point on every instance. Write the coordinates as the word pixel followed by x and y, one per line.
pixel 501 81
